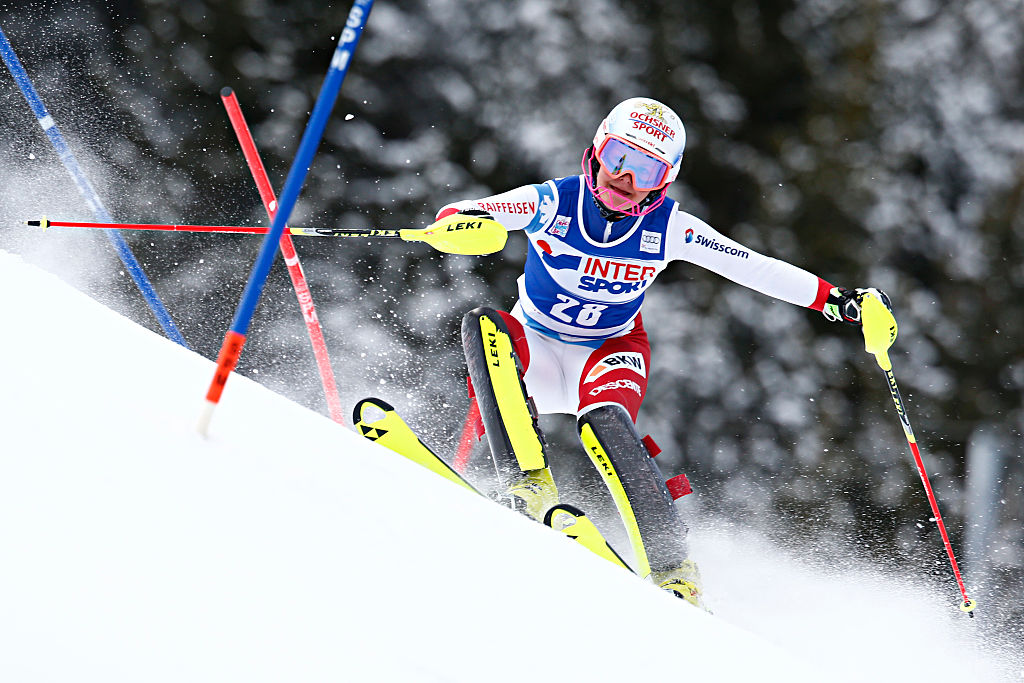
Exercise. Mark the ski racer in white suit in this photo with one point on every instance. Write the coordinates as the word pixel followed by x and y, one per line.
pixel 597 241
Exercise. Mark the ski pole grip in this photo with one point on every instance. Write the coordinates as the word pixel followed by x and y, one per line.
pixel 879 326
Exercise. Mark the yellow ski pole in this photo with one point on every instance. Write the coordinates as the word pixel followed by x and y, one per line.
pixel 880 331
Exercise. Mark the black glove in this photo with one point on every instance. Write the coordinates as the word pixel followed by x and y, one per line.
pixel 843 305
pixel 476 213
pixel 472 213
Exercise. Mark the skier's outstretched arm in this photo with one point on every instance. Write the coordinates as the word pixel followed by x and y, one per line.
pixel 691 239
pixel 530 207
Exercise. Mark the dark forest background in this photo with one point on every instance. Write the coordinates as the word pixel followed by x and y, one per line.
pixel 875 143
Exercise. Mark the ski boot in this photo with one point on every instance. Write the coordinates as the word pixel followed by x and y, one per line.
pixel 683 582
pixel 534 494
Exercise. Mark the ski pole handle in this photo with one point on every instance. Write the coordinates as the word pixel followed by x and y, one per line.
pixel 879 327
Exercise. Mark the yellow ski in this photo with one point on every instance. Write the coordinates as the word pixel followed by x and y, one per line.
pixel 388 429
pixel 572 522
pixel 393 433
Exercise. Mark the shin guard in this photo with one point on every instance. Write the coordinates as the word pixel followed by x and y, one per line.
pixel 509 417
pixel 656 532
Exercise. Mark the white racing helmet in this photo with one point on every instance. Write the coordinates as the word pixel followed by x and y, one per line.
pixel 640 137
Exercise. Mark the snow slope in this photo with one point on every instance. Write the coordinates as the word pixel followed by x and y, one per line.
pixel 286 548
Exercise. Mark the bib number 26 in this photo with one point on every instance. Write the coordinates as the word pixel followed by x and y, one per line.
pixel 570 311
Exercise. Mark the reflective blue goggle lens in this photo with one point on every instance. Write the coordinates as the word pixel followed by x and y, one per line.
pixel 618 157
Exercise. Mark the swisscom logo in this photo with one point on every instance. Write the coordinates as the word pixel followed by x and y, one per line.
pixel 715 245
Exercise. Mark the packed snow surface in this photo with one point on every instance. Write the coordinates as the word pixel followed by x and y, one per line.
pixel 286 548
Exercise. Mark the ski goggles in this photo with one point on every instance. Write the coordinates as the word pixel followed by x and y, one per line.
pixel 618 157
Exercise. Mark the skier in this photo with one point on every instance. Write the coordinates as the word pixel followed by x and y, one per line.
pixel 575 341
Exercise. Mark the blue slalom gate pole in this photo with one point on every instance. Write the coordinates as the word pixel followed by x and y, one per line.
pixel 88 193
pixel 234 340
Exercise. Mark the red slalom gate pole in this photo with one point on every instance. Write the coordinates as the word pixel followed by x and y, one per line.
pixel 303 161
pixel 472 430
pixel 291 258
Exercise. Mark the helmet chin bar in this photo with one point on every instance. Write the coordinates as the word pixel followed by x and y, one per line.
pixel 614 206
pixel 616 201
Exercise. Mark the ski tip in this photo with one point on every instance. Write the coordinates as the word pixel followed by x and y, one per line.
pixel 357 412
pixel 226 91
pixel 563 508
